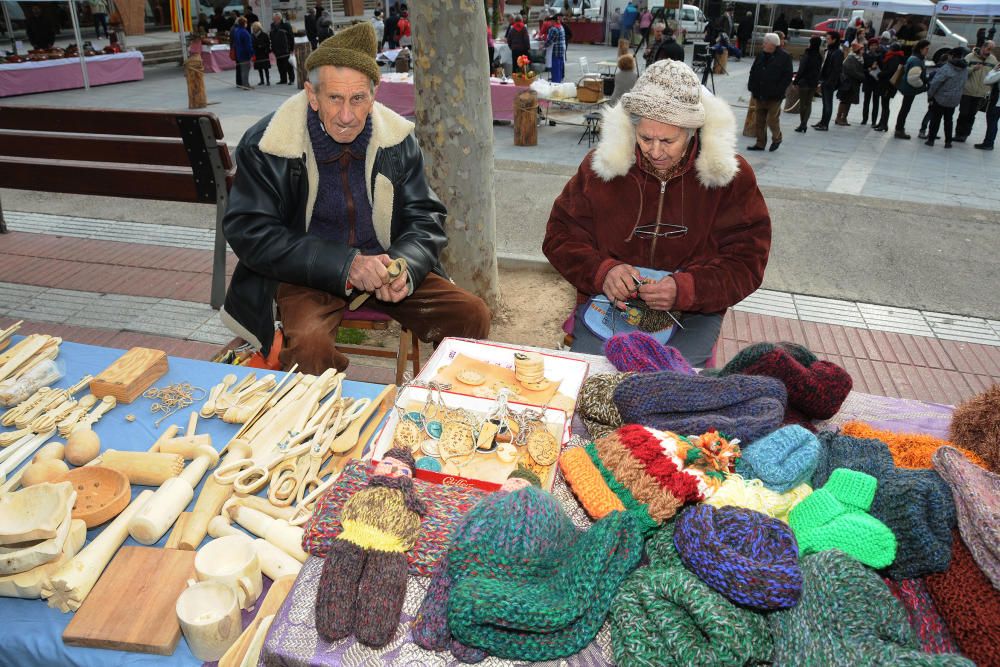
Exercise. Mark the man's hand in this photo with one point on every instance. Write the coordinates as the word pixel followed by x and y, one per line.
pixel 619 284
pixel 395 291
pixel 660 295
pixel 368 272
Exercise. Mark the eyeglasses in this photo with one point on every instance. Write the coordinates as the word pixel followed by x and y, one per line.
pixel 667 231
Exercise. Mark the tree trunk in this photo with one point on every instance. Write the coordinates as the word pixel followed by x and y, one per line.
pixel 455 129
pixel 302 52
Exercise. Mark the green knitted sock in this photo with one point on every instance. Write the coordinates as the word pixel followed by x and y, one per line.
pixel 817 509
pixel 854 489
pixel 859 535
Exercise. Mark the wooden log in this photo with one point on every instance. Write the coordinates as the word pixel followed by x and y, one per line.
pixel 526 118
pixel 194 73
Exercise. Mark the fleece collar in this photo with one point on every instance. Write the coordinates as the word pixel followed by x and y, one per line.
pixel 715 165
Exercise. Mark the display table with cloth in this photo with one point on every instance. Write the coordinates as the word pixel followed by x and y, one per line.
pixel 65 73
pixel 396 91
pixel 216 58
pixel 586 32
pixel 31 631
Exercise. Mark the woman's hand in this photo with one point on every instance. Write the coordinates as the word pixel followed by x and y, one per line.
pixel 619 284
pixel 660 295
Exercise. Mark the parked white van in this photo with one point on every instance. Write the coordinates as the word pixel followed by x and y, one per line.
pixel 692 20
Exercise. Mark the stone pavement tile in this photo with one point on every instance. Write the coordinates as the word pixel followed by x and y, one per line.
pixel 973 358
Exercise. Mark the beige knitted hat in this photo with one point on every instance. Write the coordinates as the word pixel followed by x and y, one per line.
pixel 668 91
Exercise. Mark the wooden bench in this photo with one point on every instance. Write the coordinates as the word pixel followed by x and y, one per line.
pixel 164 155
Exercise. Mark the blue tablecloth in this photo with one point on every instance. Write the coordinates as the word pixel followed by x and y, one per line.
pixel 30 631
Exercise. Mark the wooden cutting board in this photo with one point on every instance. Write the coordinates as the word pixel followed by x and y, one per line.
pixel 131 608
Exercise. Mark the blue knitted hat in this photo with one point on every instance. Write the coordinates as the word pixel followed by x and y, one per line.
pixel 782 460
pixel 747 556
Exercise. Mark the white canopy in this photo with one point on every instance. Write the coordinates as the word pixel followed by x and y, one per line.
pixel 969 7
pixel 919 7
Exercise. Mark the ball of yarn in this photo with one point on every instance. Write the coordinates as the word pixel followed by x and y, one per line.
pixel 429 463
pixel 975 425
pixel 747 556
pixel 641 353
pixel 753 495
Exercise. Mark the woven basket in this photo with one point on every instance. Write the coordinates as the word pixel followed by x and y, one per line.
pixel 589 89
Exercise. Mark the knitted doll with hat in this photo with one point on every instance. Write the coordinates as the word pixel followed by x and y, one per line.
pixel 648 472
pixel 363 583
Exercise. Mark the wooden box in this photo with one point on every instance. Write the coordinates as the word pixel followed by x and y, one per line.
pixel 130 375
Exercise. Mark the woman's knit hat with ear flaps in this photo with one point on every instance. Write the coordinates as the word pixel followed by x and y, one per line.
pixel 648 472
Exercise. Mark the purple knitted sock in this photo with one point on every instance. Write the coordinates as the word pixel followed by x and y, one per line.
pixel 642 353
pixel 338 590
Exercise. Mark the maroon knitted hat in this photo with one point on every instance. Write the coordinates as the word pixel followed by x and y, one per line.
pixel 969 605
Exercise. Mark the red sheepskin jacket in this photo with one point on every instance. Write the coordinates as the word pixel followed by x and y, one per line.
pixel 721 259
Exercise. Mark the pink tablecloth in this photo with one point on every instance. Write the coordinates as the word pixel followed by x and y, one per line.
pixel 64 74
pixel 398 96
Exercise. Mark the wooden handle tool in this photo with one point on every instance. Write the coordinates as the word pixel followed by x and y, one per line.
pixel 395 269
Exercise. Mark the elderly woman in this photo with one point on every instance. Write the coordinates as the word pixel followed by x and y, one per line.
pixel 663 190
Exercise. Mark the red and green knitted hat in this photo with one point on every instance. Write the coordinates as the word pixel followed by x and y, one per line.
pixel 649 472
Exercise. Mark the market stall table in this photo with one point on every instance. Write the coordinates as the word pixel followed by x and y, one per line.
pixel 31 633
pixel 65 73
pixel 396 91
pixel 586 32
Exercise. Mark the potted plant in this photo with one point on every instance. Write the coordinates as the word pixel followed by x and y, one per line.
pixel 525 77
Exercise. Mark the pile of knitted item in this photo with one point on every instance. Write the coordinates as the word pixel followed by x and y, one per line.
pixel 521 582
pixel 648 472
pixel 741 406
pixel 975 425
pixel 781 460
pixel 641 353
pixel 835 517
pixel 750 558
pixel 909 450
pixel 976 493
pixel 969 605
pixel 751 494
pixel 932 633
pixel 847 616
pixel 816 389
pixel 665 615
pixel 915 504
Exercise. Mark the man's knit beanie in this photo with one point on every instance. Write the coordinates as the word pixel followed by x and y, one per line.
pixel 975 425
pixel 353 47
pixel 747 556
pixel 932 633
pixel 816 388
pixel 647 472
pixel 596 404
pixel 847 616
pixel 835 517
pixel 909 450
pixel 751 494
pixel 641 353
pixel 976 493
pixel 669 92
pixel 665 615
pixel 781 460
pixel 915 504
pixel 530 611
pixel 742 406
pixel 969 605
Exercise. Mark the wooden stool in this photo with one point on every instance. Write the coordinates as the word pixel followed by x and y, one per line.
pixel 407 350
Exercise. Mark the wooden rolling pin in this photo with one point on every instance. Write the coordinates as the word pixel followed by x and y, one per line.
pixel 213 496
pixel 156 516
pixel 144 468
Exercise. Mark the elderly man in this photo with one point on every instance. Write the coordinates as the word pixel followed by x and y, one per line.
pixel 770 76
pixel 283 44
pixel 329 190
pixel 664 46
pixel 981 61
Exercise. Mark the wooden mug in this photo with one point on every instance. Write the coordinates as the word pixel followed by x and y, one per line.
pixel 232 560
pixel 210 618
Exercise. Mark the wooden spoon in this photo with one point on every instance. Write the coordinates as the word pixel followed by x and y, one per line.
pixel 208 410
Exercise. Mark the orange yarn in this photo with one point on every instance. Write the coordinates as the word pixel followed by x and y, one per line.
pixel 909 450
pixel 588 485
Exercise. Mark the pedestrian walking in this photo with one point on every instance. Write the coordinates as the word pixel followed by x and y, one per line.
pixel 261 53
pixel 945 93
pixel 829 77
pixel 992 111
pixel 645 25
pixel 311 30
pixel 890 71
pixel 379 24
pixel 913 83
pixel 281 46
pixel 663 46
pixel 974 95
pixel 557 40
pixel 518 40
pixel 324 26
pixel 770 76
pixel 99 11
pixel 390 30
pixel 872 57
pixel 851 77
pixel 629 18
pixel 243 47
pixel 807 79
pixel 744 32
pixel 615 25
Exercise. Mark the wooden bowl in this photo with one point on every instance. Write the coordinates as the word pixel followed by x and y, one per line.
pixel 101 494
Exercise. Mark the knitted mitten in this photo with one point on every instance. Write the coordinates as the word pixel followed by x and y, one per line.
pixel 817 390
pixel 363 582
pixel 782 460
pixel 640 352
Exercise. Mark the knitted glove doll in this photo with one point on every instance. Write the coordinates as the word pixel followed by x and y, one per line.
pixel 363 583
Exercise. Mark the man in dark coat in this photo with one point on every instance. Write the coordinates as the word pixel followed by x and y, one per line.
pixel 770 76
pixel 282 44
pixel 829 77
pixel 389 36
pixel 745 32
pixel 41 32
pixel 664 46
pixel 311 30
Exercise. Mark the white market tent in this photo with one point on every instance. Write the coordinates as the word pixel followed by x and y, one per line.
pixel 969 8
pixel 76 32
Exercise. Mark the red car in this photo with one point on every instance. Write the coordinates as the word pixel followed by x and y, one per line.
pixel 840 25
